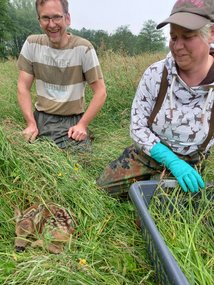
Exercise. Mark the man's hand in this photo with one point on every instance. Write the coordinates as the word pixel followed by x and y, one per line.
pixel 78 132
pixel 30 133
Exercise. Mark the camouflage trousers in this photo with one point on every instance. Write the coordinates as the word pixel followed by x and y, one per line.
pixel 131 166
pixel 55 128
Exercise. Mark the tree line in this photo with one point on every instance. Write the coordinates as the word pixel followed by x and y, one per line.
pixel 18 20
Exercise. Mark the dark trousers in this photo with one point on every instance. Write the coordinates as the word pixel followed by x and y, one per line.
pixel 55 128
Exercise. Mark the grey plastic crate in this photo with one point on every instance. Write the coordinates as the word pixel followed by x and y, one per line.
pixel 167 269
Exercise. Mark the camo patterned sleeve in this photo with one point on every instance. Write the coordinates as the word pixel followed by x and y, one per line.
pixel 142 107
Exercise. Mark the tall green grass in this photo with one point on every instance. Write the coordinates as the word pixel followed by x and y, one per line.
pixel 106 248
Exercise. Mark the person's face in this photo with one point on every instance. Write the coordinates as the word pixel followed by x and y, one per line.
pixel 55 28
pixel 187 47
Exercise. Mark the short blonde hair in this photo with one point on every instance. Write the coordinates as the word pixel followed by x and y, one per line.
pixel 205 31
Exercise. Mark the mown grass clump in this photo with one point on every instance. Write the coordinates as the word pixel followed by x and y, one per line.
pixel 106 248
pixel 186 223
pixel 105 236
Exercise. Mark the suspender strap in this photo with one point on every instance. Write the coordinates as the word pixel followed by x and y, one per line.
pixel 210 133
pixel 160 97
pixel 159 102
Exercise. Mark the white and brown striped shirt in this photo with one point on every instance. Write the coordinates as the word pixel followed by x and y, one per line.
pixel 61 74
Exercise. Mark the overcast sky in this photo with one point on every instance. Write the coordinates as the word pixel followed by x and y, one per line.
pixel 108 15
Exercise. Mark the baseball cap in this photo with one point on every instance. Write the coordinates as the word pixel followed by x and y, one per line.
pixel 191 14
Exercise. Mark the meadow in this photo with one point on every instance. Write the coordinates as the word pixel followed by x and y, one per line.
pixel 107 247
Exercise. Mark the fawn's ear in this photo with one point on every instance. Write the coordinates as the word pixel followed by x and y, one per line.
pixel 38 215
pixel 17 213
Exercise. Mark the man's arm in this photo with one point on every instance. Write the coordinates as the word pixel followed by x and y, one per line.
pixel 25 81
pixel 79 131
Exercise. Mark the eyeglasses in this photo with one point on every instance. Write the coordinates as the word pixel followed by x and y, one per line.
pixel 46 19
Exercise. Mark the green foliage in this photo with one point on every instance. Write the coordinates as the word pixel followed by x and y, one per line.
pixel 40 172
pixel 19 19
pixel 150 39
pixel 3 17
pixel 23 16
pixel 123 40
pixel 98 38
pixel 106 236
pixel 188 231
pixel 106 248
pixel 5 26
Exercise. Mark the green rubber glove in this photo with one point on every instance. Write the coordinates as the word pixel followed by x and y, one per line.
pixel 187 177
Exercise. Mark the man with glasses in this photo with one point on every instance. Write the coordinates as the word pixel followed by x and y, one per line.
pixel 61 64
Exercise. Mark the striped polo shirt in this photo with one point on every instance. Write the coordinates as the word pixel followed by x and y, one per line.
pixel 60 74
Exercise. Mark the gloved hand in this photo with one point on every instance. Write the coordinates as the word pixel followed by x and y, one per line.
pixel 186 175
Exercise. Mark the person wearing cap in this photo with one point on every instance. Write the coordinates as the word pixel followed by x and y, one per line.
pixel 179 136
pixel 61 65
